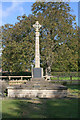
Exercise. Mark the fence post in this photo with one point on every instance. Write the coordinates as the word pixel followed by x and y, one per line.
pixel 9 77
pixel 21 77
pixel 70 79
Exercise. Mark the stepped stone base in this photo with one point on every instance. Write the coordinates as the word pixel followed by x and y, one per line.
pixel 24 93
pixel 37 88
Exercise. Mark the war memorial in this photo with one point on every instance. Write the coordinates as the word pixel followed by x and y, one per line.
pixel 38 86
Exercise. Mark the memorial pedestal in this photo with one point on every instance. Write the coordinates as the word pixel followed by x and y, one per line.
pixel 37 72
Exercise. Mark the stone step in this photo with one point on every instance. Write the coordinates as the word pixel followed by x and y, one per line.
pixel 37 79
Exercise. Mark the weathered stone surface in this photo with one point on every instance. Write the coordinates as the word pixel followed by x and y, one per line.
pixel 38 88
pixel 37 53
pixel 37 72
pixel 24 93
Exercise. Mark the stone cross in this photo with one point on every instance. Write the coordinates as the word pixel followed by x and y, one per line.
pixel 37 54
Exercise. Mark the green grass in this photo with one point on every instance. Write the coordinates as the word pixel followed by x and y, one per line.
pixel 48 108
pixel 74 90
pixel 65 78
pixel 61 79
pixel 43 108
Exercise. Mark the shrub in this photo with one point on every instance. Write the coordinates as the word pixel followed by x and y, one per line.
pixel 64 83
pixel 3 87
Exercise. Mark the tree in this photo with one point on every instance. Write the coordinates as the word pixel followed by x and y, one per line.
pixel 58 39
pixel 58 28
pixel 18 45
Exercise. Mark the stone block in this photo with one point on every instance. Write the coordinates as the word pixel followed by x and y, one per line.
pixel 37 72
pixel 36 93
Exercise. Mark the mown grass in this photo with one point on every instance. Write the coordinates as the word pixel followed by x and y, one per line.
pixel 65 78
pixel 75 80
pixel 43 108
pixel 74 90
pixel 47 108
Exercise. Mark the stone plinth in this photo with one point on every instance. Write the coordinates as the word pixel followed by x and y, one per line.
pixel 38 72
pixel 38 88
pixel 24 93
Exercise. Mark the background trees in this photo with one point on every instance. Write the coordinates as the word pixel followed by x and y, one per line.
pixel 58 39
pixel 18 44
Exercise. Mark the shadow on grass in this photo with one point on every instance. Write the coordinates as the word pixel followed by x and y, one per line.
pixel 74 87
pixel 40 108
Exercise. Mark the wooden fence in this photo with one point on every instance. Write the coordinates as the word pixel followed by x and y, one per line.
pixel 55 80
pixel 9 77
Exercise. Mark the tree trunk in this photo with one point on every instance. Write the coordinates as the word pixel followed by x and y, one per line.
pixel 49 70
pixel 46 72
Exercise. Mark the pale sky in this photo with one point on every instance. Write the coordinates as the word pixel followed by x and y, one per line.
pixel 10 10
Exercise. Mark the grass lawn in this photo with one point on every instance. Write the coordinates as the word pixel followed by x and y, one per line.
pixel 61 79
pixel 42 108
pixel 65 78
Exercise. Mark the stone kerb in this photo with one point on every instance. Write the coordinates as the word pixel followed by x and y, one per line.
pixel 24 93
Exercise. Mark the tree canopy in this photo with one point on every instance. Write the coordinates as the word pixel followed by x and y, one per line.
pixel 58 39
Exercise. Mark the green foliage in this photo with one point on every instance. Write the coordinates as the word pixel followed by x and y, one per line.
pixel 18 45
pixel 66 74
pixel 59 36
pixel 58 39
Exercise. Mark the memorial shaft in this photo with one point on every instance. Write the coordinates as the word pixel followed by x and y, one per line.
pixel 37 54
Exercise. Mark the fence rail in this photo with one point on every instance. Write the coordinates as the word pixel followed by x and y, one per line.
pixel 55 78
pixel 15 77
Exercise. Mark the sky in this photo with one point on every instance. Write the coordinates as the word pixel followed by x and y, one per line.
pixel 10 11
